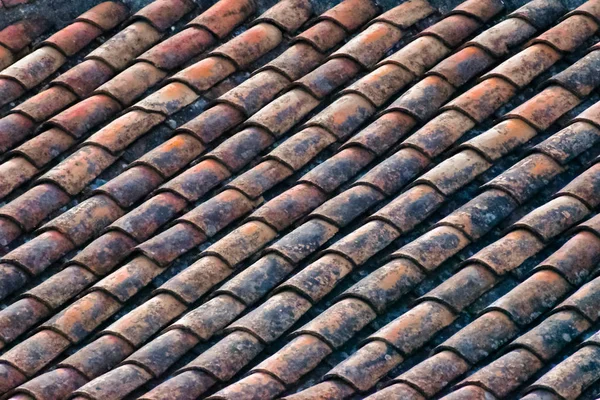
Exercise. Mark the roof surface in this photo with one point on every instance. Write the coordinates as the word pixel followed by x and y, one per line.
pixel 258 200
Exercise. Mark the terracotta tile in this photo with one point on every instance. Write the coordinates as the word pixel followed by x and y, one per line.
pixel 11 377
pixel 75 172
pixel 102 254
pixel 527 177
pixel 20 316
pixel 431 375
pixel 410 208
pixel 197 180
pixel 210 317
pixel 13 278
pixel 365 242
pixel 504 374
pixel 579 78
pixel 317 279
pixel 261 178
pixel 554 217
pixel 44 148
pixel 509 252
pixel 31 355
pixel 242 242
pixel 258 279
pixel 38 253
pixel 172 155
pixel 419 55
pixel 98 357
pixel 570 142
pixel 240 149
pixel 86 219
pixel 351 13
pixel 248 46
pixel 197 279
pixel 348 205
pixel 583 301
pixel 62 286
pixel 526 65
pixel 501 139
pixel 504 36
pixel 257 385
pixel 453 29
pixel 471 393
pixel 212 123
pixel 85 115
pixel 288 15
pixel 480 215
pixel 172 243
pixel 385 131
pixel 105 15
pixel 122 48
pixel 584 187
pixel 187 385
pixel 340 322
pixel 114 384
pixel 10 89
pixel 46 103
pixel 251 95
pixel 589 8
pixel 14 172
pixel 162 14
pixel 56 384
pixel 400 390
pixel 224 15
pixel 327 390
pixel 289 206
pixel 545 108
pixel 402 17
pixel 72 38
pixel 338 169
pixel 568 35
pixel 131 185
pixel 481 101
pixel 35 67
pixel 540 13
pixel 439 133
pixel 13 129
pixel 456 171
pixel 344 115
pixel 323 35
pixel 296 61
pixel 326 78
pixel 29 209
pixel 298 357
pixel 19 35
pixel 391 175
pixel 463 66
pixel 304 240
pixel 132 83
pixel 369 46
pixel 386 284
pixel 128 280
pixel 163 351
pixel 373 362
pixel 381 84
pixel 167 100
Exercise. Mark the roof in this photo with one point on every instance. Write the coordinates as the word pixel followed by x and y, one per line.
pixel 240 201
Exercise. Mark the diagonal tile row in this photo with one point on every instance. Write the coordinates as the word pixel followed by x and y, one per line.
pixel 93 76
pixel 53 52
pixel 16 39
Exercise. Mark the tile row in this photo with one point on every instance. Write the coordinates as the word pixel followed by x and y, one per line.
pixel 102 255
pixel 16 39
pixel 110 93
pixel 249 229
pixel 361 304
pixel 53 52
